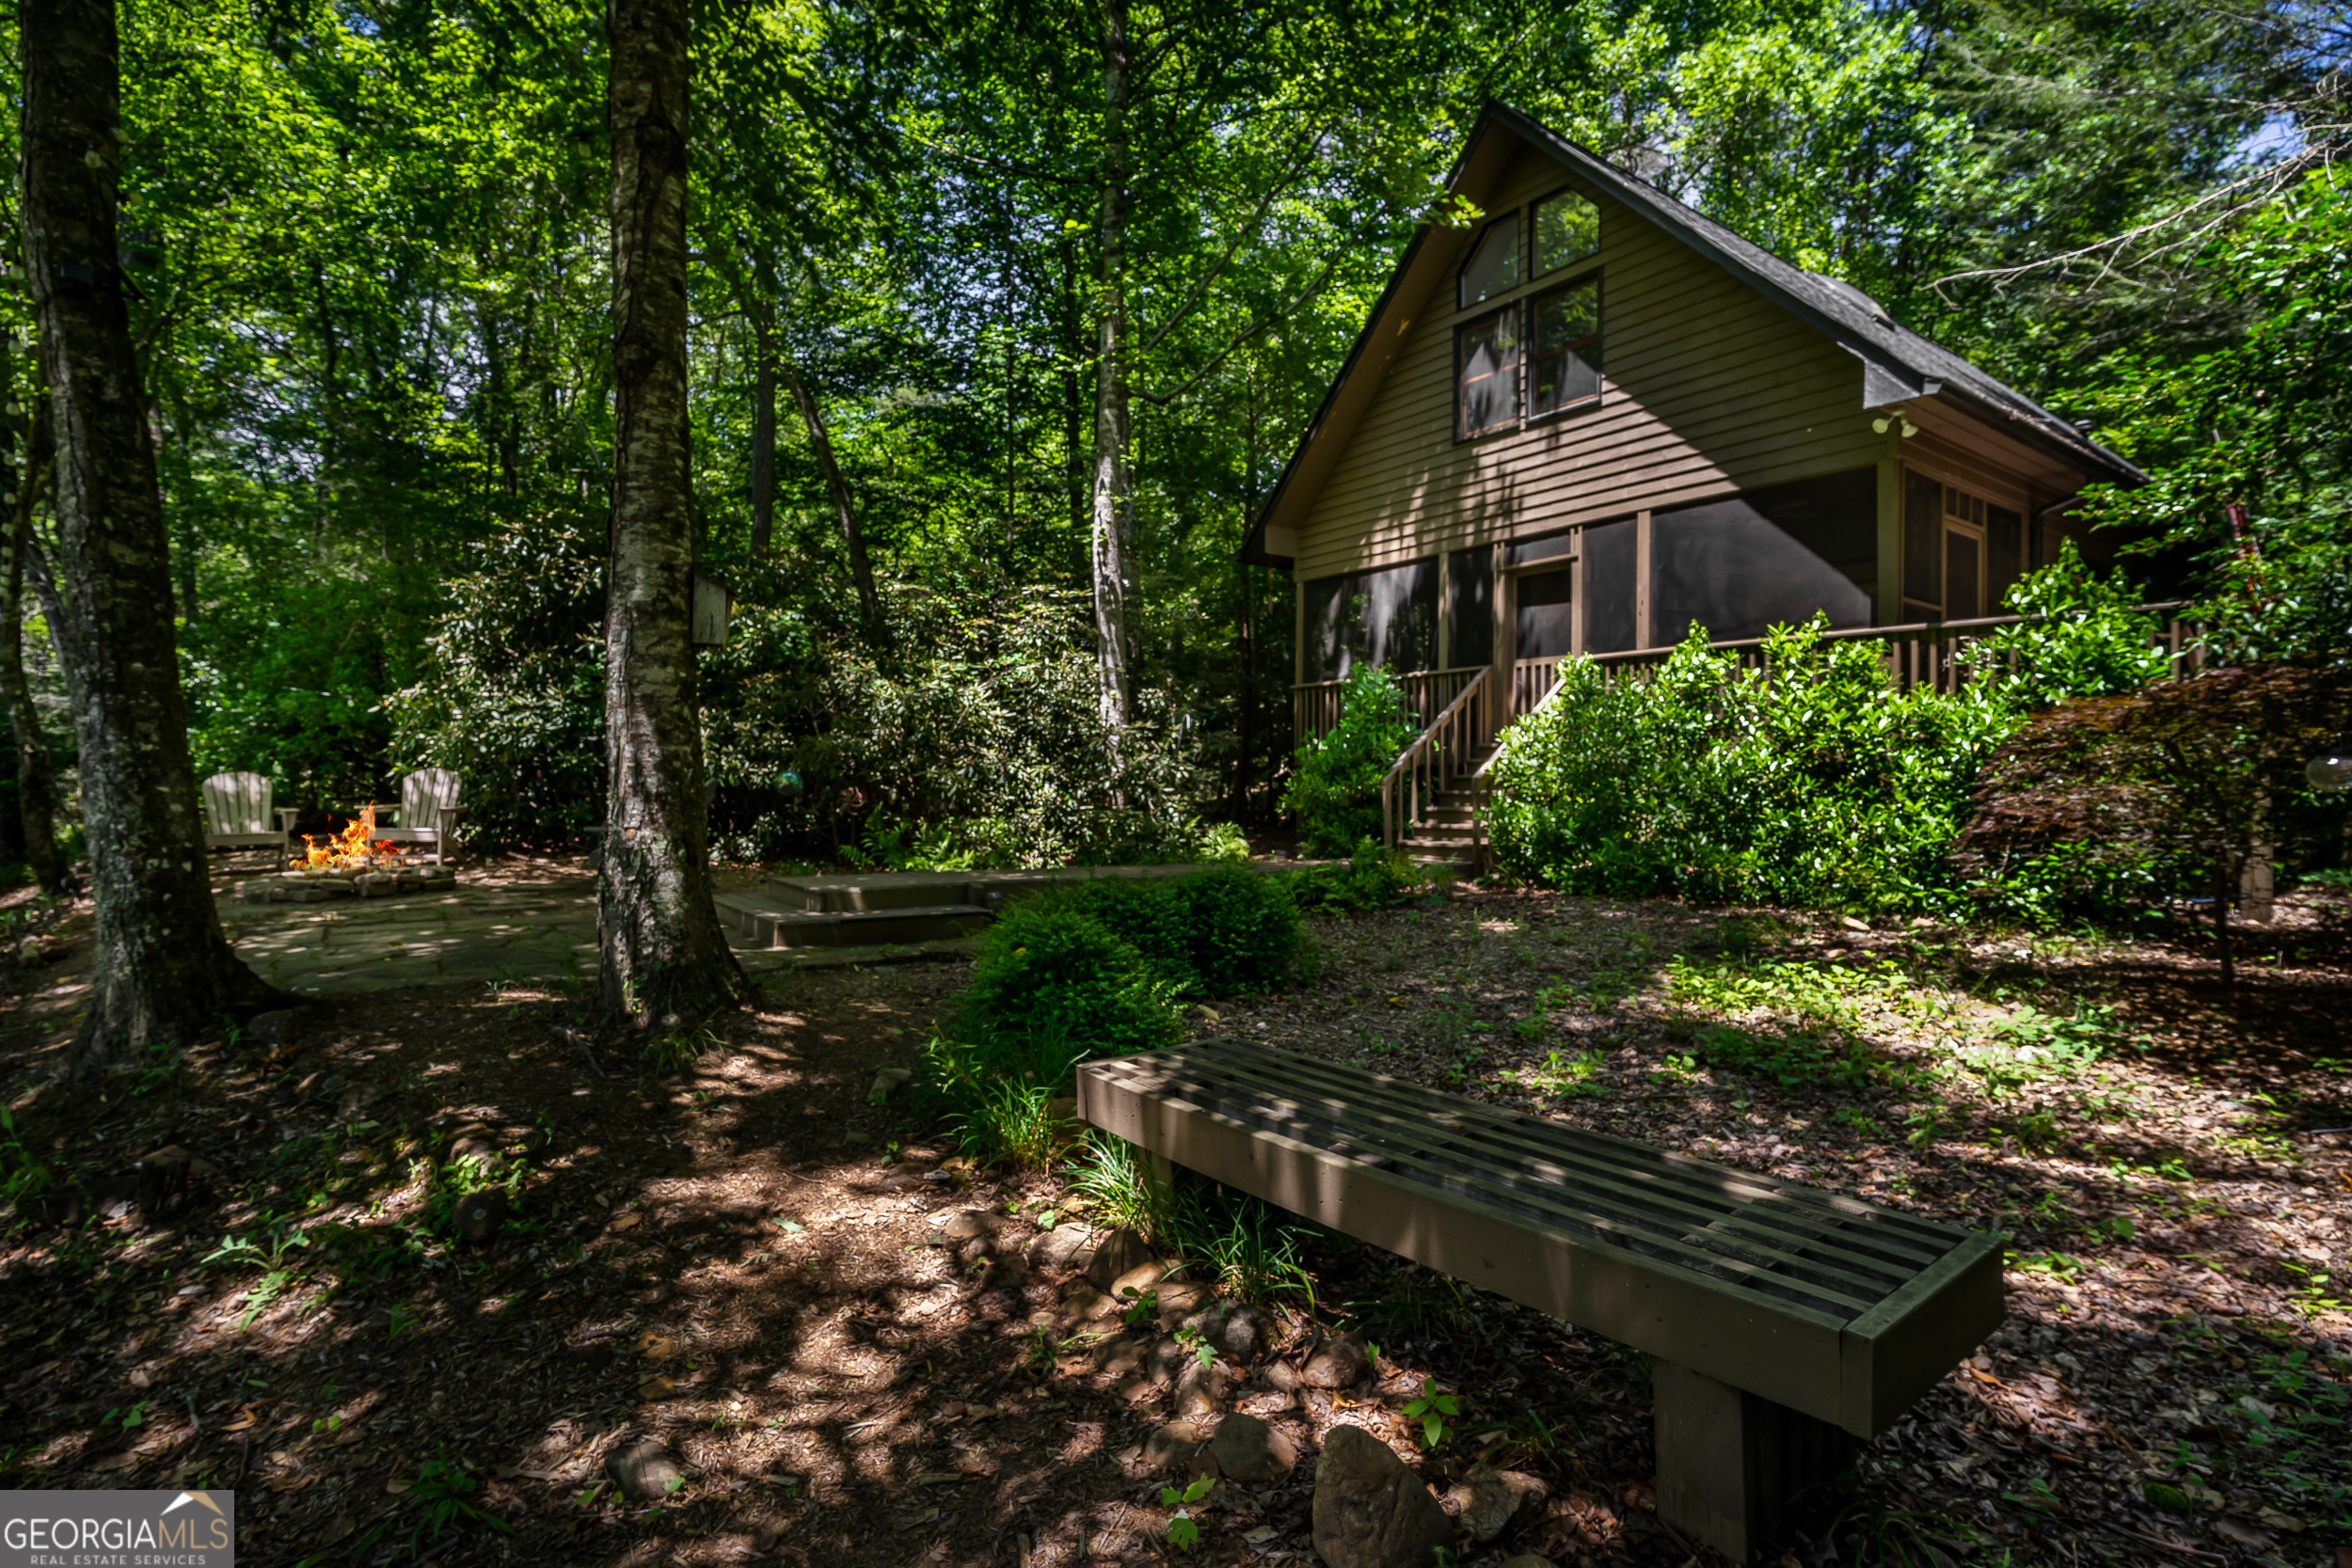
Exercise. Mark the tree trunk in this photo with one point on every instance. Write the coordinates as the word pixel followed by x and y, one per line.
pixel 763 428
pixel 163 970
pixel 1114 500
pixel 665 960
pixel 36 778
pixel 852 536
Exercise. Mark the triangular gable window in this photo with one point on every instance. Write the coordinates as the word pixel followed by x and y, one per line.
pixel 1494 266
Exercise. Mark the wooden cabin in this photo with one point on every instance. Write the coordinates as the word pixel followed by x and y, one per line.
pixel 1596 417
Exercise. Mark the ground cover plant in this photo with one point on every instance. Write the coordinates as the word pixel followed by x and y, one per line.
pixel 824 1313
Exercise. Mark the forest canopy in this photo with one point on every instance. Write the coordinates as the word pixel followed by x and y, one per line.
pixel 373 308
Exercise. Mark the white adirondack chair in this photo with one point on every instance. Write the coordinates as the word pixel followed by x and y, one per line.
pixel 237 812
pixel 427 813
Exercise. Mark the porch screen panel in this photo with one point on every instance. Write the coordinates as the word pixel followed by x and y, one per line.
pixel 1923 539
pixel 1546 617
pixel 2004 556
pixel 1835 517
pixel 1383 617
pixel 1470 602
pixel 1728 568
pixel 1608 588
pixel 1960 577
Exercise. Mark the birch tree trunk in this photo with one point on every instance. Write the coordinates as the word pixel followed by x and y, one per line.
pixel 852 536
pixel 36 778
pixel 163 970
pixel 665 959
pixel 1111 532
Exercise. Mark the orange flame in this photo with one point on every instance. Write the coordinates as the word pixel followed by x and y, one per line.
pixel 348 850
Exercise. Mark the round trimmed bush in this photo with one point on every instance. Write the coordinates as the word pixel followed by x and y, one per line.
pixel 1243 928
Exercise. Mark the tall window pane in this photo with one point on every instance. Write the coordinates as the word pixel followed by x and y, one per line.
pixel 1487 356
pixel 1469 579
pixel 1568 229
pixel 1567 365
pixel 1494 266
pixel 1379 617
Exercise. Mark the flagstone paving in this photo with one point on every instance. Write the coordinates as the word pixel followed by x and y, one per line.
pixel 509 922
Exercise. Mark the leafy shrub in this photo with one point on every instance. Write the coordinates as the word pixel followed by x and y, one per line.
pixel 1241 927
pixel 1818 786
pixel 2093 640
pixel 1054 985
pixel 2108 803
pixel 1375 878
pixel 1146 913
pixel 1336 791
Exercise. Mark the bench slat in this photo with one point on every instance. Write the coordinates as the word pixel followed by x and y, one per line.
pixel 1778 1216
pixel 1628 1228
pixel 1569 1222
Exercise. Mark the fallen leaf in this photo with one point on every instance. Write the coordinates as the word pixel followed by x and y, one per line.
pixel 114 1461
pixel 1263 1534
pixel 626 1222
pixel 142 1378
pixel 398 1484
pixel 656 1347
pixel 932 1477
pixel 243 1418
pixel 348 1435
pixel 657 1388
pixel 2241 1533
pixel 291 1483
pixel 2276 1520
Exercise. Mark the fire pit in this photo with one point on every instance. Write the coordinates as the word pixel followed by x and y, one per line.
pixel 350 864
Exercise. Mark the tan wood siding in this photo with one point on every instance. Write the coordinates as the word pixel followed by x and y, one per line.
pixel 1709 388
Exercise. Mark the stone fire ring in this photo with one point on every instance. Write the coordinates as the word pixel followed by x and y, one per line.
pixel 303 887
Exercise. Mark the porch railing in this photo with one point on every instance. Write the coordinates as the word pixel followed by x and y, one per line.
pixel 1316 705
pixel 1448 750
pixel 1927 653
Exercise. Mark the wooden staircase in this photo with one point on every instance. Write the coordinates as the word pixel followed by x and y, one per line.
pixel 1429 800
pixel 1447 836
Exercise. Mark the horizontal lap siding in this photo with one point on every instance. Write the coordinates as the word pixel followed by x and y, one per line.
pixel 1709 388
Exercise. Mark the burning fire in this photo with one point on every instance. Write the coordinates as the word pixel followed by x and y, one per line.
pixel 348 850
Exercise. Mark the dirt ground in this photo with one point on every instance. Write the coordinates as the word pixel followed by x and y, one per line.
pixel 749 1262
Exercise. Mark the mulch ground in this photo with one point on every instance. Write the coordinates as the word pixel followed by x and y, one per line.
pixel 751 1263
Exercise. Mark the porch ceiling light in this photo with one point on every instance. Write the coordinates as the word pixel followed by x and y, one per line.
pixel 2330 770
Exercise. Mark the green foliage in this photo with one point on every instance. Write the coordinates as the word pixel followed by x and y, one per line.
pixel 1116 1177
pixel 1011 1122
pixel 1149 914
pixel 1183 1532
pixel 1816 786
pixel 2092 641
pixel 1374 877
pixel 1052 984
pixel 1433 1410
pixel 24 1175
pixel 1241 929
pixel 1335 792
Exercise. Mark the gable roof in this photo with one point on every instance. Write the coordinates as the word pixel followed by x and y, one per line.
pixel 1898 364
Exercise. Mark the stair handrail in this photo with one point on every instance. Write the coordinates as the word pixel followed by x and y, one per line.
pixel 1425 756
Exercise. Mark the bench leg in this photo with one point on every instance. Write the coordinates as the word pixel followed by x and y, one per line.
pixel 1731 1465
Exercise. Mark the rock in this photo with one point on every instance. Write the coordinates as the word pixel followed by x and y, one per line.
pixel 1115 1253
pixel 1166 1360
pixel 1281 1376
pixel 272 1030
pixel 357 1097
pixel 885 1080
pixel 1196 1388
pixel 1142 1278
pixel 645 1469
pixel 1241 1332
pixel 1369 1511
pixel 479 1149
pixel 1173 1445
pixel 168 1175
pixel 1120 1357
pixel 1335 1363
pixel 1085 1303
pixel 1247 1450
pixel 1057 1251
pixel 476 1219
pixel 1005 1273
pixel 1179 1302
pixel 1490 1502
pixel 966 1225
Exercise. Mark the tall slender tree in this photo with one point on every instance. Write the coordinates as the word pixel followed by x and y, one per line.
pixel 664 955
pixel 164 968
pixel 27 476
pixel 1111 541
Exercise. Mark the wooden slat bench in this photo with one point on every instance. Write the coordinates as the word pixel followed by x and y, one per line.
pixel 1783 1321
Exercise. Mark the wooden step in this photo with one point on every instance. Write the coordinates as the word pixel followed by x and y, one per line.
pixel 758 917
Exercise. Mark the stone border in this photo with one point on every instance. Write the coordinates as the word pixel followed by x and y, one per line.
pixel 294 887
